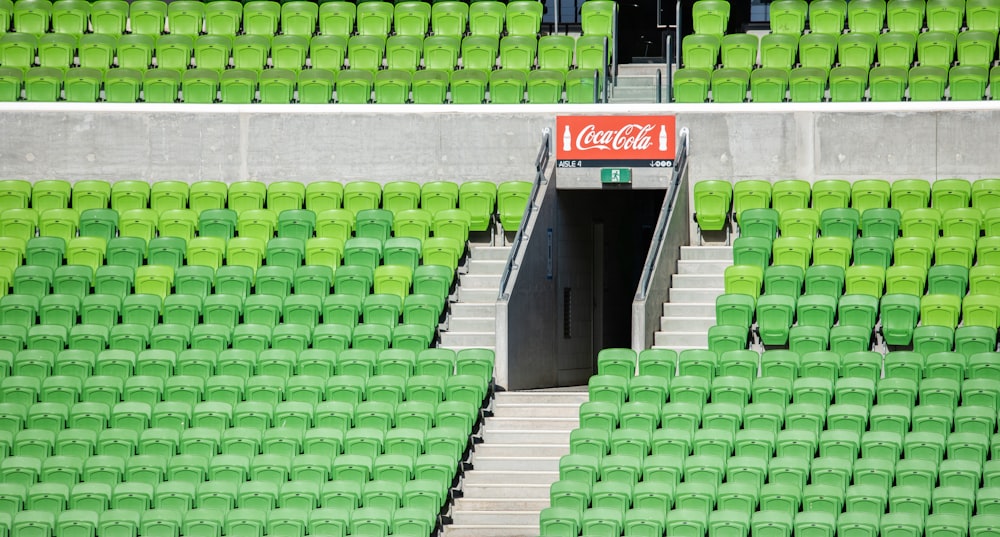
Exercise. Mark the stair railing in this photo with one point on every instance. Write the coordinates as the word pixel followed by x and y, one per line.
pixel 655 257
pixel 541 163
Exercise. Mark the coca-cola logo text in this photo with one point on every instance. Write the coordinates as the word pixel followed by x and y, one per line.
pixel 631 136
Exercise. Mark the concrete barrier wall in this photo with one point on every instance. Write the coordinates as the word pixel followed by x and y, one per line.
pixel 489 142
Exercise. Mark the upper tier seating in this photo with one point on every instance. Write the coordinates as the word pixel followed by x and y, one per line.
pixel 837 51
pixel 299 51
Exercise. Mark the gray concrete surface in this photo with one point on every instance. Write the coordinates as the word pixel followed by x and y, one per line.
pixel 486 142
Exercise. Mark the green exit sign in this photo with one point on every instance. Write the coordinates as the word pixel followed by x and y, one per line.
pixel 616 175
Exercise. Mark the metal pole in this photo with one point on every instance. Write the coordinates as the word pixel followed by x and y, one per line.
pixel 614 45
pixel 677 33
pixel 659 86
pixel 555 28
pixel 668 48
pixel 604 71
pixel 596 88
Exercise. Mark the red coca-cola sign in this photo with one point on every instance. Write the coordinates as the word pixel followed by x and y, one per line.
pixel 599 141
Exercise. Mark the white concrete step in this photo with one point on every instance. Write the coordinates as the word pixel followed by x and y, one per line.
pixel 460 530
pixel 472 324
pixel 468 339
pixel 487 266
pixel 704 296
pixel 501 504
pixel 689 324
pixel 499 423
pixel 694 309
pixel 691 266
pixel 490 253
pixel 496 436
pixel 488 517
pixel 480 281
pixel 521 450
pixel 532 410
pixel 460 309
pixel 683 339
pixel 698 281
pixel 478 296
pixel 526 491
pixel 543 397
pixel 705 253
pixel 540 464
pixel 457 348
pixel 510 477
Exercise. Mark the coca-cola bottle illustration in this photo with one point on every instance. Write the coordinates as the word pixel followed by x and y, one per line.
pixel 567 139
pixel 663 138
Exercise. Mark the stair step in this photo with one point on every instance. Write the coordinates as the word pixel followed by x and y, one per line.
pixel 456 530
pixel 698 309
pixel 480 281
pixel 487 266
pixel 490 253
pixel 696 266
pixel 714 253
pixel 483 518
pixel 460 309
pixel 521 450
pixel 680 348
pixel 526 491
pixel 689 324
pixel 495 436
pixel 698 281
pixel 498 423
pixel 480 477
pixel 684 339
pixel 501 504
pixel 468 339
pixel 479 296
pixel 472 324
pixel 543 397
pixel 704 295
pixel 541 464
pixel 530 410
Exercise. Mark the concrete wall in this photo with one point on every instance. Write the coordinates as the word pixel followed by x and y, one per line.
pixel 647 309
pixel 526 326
pixel 489 142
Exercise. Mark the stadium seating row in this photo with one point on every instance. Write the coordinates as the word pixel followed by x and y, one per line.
pixel 844 84
pixel 477 198
pixel 823 51
pixel 871 17
pixel 714 200
pixel 254 52
pixel 311 86
pixel 301 18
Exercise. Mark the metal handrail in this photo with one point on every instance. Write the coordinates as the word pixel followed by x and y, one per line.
pixel 597 87
pixel 667 49
pixel 604 70
pixel 541 163
pixel 659 86
pixel 680 163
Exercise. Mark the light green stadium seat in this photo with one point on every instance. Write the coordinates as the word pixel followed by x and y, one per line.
pixel 729 85
pixel 788 17
pixel 975 47
pixel 967 82
pixel 768 85
pixel 690 85
pixel 778 51
pixel 710 18
pixel 449 19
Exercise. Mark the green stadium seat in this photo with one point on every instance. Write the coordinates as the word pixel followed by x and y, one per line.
pixel 828 17
pixel 967 82
pixel 779 50
pixel 936 48
pixel 374 18
pixel 788 17
pixel 690 85
pixel 700 51
pixel 449 19
pixel 975 47
pixel 710 17
pixel 768 85
pixel 739 51
pixel 887 84
pixel 729 85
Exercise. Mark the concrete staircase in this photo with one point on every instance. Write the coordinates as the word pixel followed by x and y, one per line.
pixel 691 309
pixel 472 322
pixel 518 459
pixel 637 83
